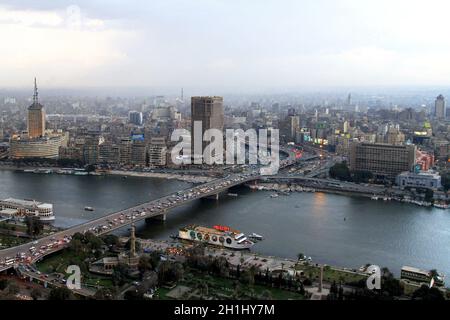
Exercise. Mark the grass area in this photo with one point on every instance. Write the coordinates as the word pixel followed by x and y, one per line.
pixel 95 280
pixel 13 226
pixel 61 260
pixel 162 293
pixel 11 241
pixel 330 275
pixel 58 262
pixel 225 287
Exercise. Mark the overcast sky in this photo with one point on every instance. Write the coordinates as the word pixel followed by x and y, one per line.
pixel 225 43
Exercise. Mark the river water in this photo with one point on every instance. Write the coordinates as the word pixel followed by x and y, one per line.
pixel 337 230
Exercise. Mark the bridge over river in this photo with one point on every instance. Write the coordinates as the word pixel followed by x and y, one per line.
pixel 155 209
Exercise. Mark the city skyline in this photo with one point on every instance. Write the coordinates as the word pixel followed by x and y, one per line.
pixel 300 44
pixel 223 150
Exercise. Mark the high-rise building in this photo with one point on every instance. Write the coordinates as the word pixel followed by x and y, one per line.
pixel 293 125
pixel 108 153
pixel 37 143
pixel 209 111
pixel 125 151
pixel 157 155
pixel 291 112
pixel 91 148
pixel 139 153
pixel 383 160
pixel 394 136
pixel 349 100
pixel 36 116
pixel 346 126
pixel 439 107
pixel 157 152
pixel 136 118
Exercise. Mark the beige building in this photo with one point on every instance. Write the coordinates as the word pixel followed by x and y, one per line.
pixel 383 160
pixel 36 117
pixel 209 111
pixel 440 107
pixel 37 143
pixel 139 153
pixel 125 151
pixel 394 136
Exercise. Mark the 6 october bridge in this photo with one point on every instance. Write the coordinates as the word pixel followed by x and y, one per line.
pixel 155 209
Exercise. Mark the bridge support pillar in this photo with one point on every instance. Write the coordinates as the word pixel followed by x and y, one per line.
pixel 213 197
pixel 159 218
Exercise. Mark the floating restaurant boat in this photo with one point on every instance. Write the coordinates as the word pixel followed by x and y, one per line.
pixel 16 208
pixel 218 235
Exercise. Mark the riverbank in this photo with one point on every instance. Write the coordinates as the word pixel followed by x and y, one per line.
pixel 286 189
pixel 58 170
pixel 167 176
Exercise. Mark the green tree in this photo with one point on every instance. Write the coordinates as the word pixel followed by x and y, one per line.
pixel 120 274
pixel 13 289
pixel 362 176
pixel 34 226
pixel 169 272
pixel 35 293
pixel 111 240
pixel 340 171
pixel 266 295
pixel 105 294
pixel 62 293
pixel 3 284
pixel 428 294
pixel 93 242
pixel 145 264
pixel 77 247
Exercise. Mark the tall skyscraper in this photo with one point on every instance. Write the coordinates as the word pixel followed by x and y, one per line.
pixel 293 125
pixel 136 118
pixel 209 111
pixel 36 116
pixel 439 107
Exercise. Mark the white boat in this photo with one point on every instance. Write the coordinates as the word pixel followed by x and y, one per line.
pixel 256 236
pixel 275 195
pixel 218 235
pixel 441 205
pixel 88 209
pixel 26 208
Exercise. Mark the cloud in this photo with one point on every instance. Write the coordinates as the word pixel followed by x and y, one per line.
pixel 61 47
pixel 225 42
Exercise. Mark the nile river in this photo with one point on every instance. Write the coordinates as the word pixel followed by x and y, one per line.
pixel 332 229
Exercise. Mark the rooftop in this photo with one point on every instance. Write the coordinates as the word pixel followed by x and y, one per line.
pixel 415 270
pixel 29 203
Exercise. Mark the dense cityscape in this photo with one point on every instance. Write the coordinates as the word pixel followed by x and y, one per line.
pixel 293 194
